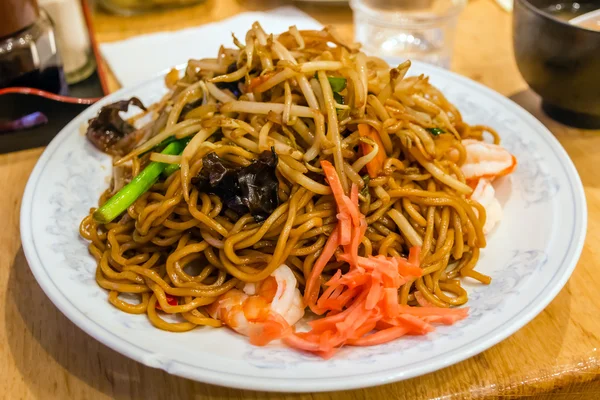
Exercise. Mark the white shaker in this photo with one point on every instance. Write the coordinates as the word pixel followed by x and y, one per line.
pixel 72 37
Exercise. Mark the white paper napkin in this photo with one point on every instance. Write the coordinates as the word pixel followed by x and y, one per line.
pixel 142 57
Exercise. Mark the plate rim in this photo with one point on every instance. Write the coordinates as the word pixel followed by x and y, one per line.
pixel 244 381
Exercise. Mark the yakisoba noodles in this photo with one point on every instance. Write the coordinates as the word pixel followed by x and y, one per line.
pixel 295 171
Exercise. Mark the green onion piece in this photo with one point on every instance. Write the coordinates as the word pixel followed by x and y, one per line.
pixel 337 84
pixel 436 131
pixel 365 191
pixel 139 185
pixel 161 145
pixel 170 169
pixel 338 98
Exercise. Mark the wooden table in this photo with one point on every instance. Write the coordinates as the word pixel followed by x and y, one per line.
pixel 43 355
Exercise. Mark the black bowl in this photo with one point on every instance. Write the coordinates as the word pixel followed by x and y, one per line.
pixel 559 61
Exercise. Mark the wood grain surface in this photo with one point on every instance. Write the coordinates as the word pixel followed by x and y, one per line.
pixel 44 356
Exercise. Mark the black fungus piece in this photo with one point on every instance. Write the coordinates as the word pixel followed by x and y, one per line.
pixel 108 128
pixel 220 177
pixel 189 107
pixel 250 189
pixel 233 87
pixel 259 186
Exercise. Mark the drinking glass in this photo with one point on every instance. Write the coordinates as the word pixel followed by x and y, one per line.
pixel 413 29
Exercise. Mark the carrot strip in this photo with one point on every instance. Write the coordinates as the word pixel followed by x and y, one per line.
pixel 334 183
pixel 367 327
pixel 374 295
pixel 343 299
pixel 353 322
pixel 258 80
pixel 326 355
pixel 326 294
pixel 345 227
pixel 391 301
pixel 352 210
pixel 328 297
pixel 385 323
pixel 406 268
pixel 311 291
pixel 325 341
pixel 336 293
pixel 354 195
pixel 359 233
pixel 298 342
pixel 334 280
pixel 375 166
pixel 383 336
pixel 414 255
pixel 417 324
pixel 354 280
pixel 444 319
pixel 329 320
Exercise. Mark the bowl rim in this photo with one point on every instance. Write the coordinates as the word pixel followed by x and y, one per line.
pixel 549 16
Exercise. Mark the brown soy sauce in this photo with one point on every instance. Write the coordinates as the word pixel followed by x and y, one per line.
pixel 50 79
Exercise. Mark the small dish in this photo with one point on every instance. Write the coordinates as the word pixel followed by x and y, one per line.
pixel 559 61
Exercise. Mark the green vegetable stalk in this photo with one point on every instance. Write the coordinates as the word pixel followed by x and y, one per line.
pixel 436 131
pixel 170 169
pixel 365 191
pixel 139 185
pixel 338 98
pixel 337 84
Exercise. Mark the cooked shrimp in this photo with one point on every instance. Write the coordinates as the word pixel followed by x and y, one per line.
pixel 264 311
pixel 485 195
pixel 484 163
pixel 485 160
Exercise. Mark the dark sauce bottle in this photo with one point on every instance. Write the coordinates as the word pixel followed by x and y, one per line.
pixel 28 50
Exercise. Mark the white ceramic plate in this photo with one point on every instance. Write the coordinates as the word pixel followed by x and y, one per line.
pixel 530 257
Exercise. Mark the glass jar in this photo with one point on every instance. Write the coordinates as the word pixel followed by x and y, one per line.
pixel 29 58
pixel 131 7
